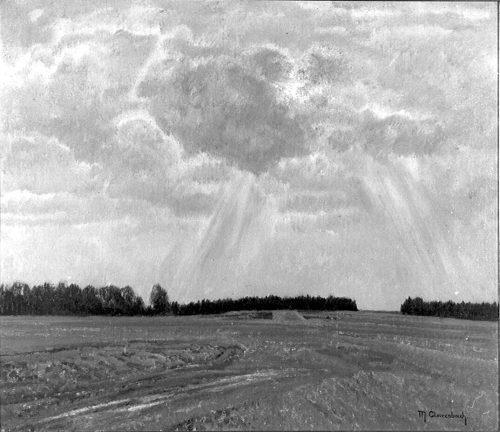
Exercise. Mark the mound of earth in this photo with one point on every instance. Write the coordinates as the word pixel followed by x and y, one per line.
pixel 286 316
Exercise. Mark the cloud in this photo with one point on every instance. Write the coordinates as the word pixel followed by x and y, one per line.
pixel 74 86
pixel 314 171
pixel 20 28
pixel 466 11
pixel 221 108
pixel 271 64
pixel 40 164
pixel 145 163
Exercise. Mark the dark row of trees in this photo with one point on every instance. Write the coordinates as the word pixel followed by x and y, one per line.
pixel 473 311
pixel 270 302
pixel 62 299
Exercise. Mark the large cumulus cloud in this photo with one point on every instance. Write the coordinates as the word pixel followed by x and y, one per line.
pixel 220 107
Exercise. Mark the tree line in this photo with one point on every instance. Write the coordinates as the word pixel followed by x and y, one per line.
pixel 270 302
pixel 63 299
pixel 472 311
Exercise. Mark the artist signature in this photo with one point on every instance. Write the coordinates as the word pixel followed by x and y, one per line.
pixel 434 414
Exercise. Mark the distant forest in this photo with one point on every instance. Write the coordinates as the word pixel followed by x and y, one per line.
pixel 471 311
pixel 62 299
pixel 271 302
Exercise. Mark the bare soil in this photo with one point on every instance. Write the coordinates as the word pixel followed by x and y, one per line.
pixel 298 371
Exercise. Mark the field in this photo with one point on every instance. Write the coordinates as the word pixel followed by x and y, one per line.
pixel 262 371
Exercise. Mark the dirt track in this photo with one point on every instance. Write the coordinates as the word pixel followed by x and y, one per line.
pixel 350 371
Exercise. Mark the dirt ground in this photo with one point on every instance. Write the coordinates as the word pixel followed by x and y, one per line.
pixel 261 371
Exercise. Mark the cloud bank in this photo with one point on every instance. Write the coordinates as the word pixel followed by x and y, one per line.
pixel 365 132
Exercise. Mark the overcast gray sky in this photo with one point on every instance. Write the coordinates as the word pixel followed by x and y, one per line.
pixel 343 148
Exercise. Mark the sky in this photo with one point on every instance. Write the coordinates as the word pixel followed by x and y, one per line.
pixel 251 148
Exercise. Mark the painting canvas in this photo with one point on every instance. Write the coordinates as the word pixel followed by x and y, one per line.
pixel 248 215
